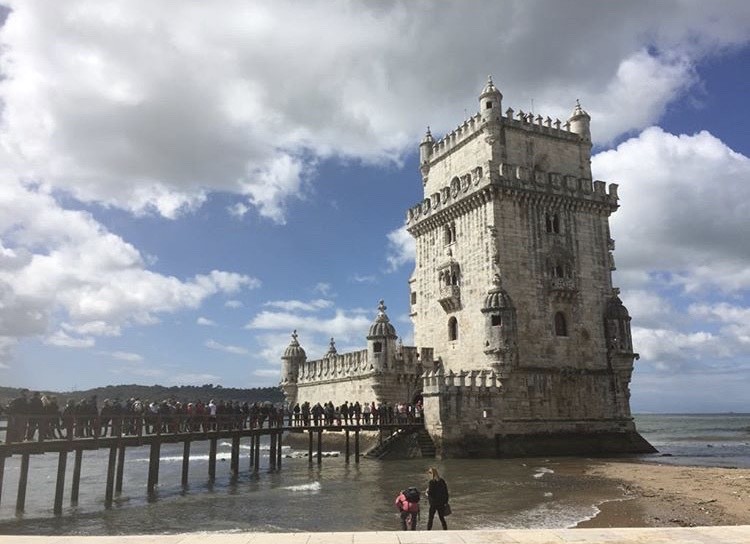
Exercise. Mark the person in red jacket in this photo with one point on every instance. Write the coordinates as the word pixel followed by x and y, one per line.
pixel 407 503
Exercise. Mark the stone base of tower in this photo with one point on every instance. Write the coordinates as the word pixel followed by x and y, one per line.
pixel 542 444
pixel 535 412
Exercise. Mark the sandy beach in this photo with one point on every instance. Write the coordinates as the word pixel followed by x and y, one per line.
pixel 656 495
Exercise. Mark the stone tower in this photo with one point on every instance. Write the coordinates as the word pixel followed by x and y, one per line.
pixel 512 289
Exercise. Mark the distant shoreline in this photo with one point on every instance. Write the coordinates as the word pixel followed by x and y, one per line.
pixel 656 495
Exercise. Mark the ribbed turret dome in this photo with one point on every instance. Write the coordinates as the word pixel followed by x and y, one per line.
pixel 381 327
pixel 616 309
pixel 578 111
pixel 489 89
pixel 294 350
pixel 497 298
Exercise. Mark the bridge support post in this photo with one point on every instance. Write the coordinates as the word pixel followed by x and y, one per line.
pixel 212 459
pixel 252 449
pixel 256 453
pixel 356 445
pixel 320 447
pixel 60 484
pixel 153 467
pixel 23 479
pixel 235 462
pixel 2 472
pixel 185 462
pixel 346 455
pixel 76 477
pixel 310 447
pixel 272 452
pixel 109 490
pixel 120 469
pixel 278 450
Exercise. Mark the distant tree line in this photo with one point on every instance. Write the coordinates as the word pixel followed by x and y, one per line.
pixel 182 393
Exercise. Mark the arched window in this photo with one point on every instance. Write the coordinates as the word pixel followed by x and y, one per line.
pixel 561 325
pixel 452 329
pixel 377 347
pixel 552 223
pixel 497 320
pixel 449 234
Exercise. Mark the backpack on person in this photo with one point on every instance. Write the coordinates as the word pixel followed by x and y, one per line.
pixel 412 494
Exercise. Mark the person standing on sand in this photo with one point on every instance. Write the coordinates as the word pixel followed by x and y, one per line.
pixel 437 494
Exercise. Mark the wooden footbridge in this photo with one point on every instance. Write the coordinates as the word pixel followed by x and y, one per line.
pixel 28 436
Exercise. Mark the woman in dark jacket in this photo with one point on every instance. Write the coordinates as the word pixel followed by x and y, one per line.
pixel 437 493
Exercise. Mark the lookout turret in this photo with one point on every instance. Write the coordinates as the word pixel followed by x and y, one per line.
pixel 490 102
pixel 381 340
pixel 580 122
pixel 293 357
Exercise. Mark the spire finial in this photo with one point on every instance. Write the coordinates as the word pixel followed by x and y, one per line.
pixel 294 334
pixel 489 79
pixel 381 306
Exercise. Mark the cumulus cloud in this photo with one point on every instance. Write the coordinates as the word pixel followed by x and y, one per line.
pixel 146 107
pixel 63 264
pixel 685 209
pixel 126 356
pixel 297 305
pixel 233 304
pixel 401 248
pixel 235 350
pixel 204 321
pixel 682 231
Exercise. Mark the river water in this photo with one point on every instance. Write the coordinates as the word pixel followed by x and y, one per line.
pixel 485 493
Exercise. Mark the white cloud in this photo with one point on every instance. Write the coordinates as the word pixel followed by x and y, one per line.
pixel 205 322
pixel 341 324
pixel 297 305
pixel 358 278
pixel 401 248
pixel 61 339
pixel 236 350
pixel 193 379
pixel 685 209
pixel 65 265
pixel 233 304
pixel 322 288
pixel 126 356
pixel 145 107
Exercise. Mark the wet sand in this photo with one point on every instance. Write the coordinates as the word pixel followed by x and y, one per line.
pixel 656 495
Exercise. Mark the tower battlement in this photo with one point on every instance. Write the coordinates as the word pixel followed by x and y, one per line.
pixel 521 181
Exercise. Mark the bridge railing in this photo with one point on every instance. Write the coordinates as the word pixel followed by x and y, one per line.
pixel 17 428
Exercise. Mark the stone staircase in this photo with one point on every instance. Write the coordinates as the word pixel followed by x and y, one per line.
pixel 404 443
pixel 426 445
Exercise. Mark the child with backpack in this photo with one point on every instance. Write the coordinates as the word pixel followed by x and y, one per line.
pixel 407 503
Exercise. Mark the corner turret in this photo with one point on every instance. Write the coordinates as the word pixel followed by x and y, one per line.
pixel 500 328
pixel 293 357
pixel 381 340
pixel 580 122
pixel 490 102
pixel 425 153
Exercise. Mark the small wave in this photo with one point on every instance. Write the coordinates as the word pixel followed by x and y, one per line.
pixel 295 454
pixel 541 471
pixel 311 487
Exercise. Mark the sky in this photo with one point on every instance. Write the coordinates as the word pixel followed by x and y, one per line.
pixel 182 184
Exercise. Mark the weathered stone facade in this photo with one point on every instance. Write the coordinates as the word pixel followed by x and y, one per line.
pixel 384 372
pixel 512 291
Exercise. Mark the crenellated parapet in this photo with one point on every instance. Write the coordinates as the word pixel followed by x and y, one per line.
pixel 475 126
pixel 516 180
pixel 339 366
pixel 467 382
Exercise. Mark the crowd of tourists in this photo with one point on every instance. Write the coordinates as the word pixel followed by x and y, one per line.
pixel 34 416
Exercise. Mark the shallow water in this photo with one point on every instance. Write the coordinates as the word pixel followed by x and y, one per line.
pixel 336 496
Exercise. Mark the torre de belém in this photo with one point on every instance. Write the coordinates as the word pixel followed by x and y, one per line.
pixel 523 346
